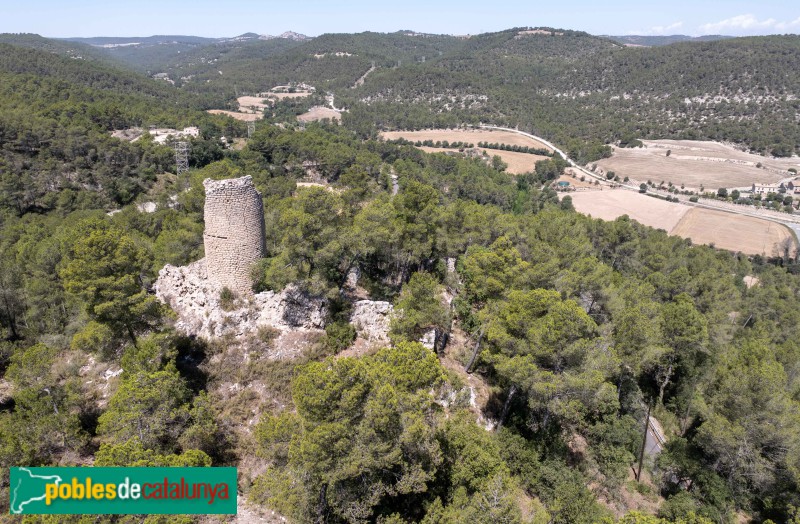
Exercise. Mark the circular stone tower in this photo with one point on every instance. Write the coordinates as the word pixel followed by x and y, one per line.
pixel 234 232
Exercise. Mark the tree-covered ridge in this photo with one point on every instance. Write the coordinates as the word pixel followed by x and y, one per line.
pixel 330 61
pixel 568 86
pixel 56 116
pixel 74 50
pixel 741 90
pixel 576 326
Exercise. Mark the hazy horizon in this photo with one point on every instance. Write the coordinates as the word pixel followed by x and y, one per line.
pixel 92 18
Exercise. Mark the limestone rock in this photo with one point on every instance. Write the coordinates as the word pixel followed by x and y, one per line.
pixel 429 339
pixel 371 320
pixel 195 300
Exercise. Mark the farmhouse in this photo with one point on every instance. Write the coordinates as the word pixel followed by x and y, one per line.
pixel 766 189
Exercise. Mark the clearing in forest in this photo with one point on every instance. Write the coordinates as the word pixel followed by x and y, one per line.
pixel 319 113
pixel 244 117
pixel 251 108
pixel 695 163
pixel 750 235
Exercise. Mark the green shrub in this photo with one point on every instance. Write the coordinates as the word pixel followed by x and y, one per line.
pixel 227 299
pixel 339 336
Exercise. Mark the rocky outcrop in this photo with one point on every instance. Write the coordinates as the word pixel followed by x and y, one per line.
pixel 196 301
pixel 299 318
pixel 371 320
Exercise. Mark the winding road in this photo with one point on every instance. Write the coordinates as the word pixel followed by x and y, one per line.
pixel 791 224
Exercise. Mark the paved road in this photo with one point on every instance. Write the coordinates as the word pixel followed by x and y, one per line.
pixel 655 440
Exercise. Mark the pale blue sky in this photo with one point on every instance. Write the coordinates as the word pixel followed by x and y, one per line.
pixel 64 18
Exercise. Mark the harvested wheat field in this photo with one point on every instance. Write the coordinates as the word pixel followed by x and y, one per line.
pixel 281 96
pixel 244 117
pixel 518 163
pixel 252 104
pixel 251 108
pixel 695 163
pixel 609 204
pixel 472 136
pixel 319 113
pixel 750 235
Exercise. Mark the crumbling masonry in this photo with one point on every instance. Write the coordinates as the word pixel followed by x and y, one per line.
pixel 234 232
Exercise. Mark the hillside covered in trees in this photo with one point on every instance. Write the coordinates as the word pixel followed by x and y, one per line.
pixel 568 86
pixel 572 328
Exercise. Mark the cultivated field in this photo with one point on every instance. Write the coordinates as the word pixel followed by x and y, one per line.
pixel 251 108
pixel 472 136
pixel 244 117
pixel 518 163
pixel 733 232
pixel 749 235
pixel 609 204
pixel 319 113
pixel 696 163
pixel 281 96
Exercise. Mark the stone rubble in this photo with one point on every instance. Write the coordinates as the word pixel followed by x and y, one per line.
pixel 195 300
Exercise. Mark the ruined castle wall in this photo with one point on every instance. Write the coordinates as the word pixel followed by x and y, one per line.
pixel 234 232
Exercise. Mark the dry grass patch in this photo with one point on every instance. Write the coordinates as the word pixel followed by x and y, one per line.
pixel 244 117
pixel 518 163
pixel 750 235
pixel 281 96
pixel 574 179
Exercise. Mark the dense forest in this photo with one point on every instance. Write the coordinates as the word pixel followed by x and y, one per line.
pixel 576 328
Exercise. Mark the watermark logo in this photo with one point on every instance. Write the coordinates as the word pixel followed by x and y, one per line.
pixel 123 491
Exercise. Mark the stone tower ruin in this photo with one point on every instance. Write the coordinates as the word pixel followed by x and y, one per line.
pixel 234 232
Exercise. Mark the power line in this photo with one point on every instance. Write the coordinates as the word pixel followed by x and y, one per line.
pixel 181 157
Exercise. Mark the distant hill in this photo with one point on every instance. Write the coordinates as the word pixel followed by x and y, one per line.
pixel 290 35
pixel 78 50
pixel 56 115
pixel 576 88
pixel 170 53
pixel 113 41
pixel 651 41
pixel 572 87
